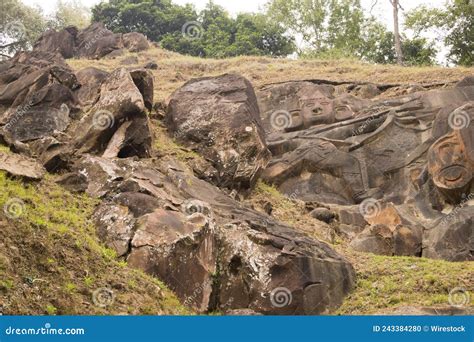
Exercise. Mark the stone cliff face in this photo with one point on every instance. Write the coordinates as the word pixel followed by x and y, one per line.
pixel 394 175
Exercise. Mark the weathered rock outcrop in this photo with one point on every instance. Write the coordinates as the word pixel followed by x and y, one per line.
pixel 215 253
pixel 92 42
pixel 392 175
pixel 338 144
pixel 218 117
pixel 49 113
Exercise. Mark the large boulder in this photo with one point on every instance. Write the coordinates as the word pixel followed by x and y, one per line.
pixel 117 125
pixel 218 117
pixel 215 253
pixel 135 42
pixel 93 42
pixel 166 240
pixel 62 42
pixel 452 237
pixel 36 91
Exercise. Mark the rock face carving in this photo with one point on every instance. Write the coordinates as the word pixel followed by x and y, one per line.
pixel 218 117
pixel 332 145
pixel 394 174
pixel 215 253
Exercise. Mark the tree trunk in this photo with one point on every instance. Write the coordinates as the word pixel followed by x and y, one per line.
pixel 396 32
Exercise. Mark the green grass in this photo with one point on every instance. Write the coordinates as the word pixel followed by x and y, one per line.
pixel 384 283
pixel 50 246
pixel 165 145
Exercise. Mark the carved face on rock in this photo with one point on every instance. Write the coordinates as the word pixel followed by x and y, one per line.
pixel 449 163
pixel 315 108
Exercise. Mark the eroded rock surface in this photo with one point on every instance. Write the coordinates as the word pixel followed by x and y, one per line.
pixel 218 117
pixel 93 42
pixel 393 175
pixel 348 146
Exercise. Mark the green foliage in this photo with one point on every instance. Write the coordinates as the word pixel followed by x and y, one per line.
pixel 323 24
pixel 153 18
pixel 454 24
pixel 70 13
pixel 51 310
pixel 211 33
pixel 378 47
pixel 20 26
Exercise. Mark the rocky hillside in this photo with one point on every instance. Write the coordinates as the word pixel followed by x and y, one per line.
pixel 248 185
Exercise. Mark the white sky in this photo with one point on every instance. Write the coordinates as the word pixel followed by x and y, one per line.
pixel 382 10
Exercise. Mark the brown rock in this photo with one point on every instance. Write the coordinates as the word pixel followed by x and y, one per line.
pixel 135 42
pixel 169 245
pixel 20 166
pixel 219 118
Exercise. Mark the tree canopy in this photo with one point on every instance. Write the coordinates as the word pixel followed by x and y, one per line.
pixel 454 25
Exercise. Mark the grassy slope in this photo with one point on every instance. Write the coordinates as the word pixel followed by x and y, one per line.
pixel 383 283
pixel 51 261
pixel 175 69
pixel 51 253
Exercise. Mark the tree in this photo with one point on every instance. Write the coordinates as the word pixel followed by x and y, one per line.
pixel 210 33
pixel 396 32
pixel 153 18
pixel 323 25
pixel 21 25
pixel 256 34
pixel 71 12
pixel 378 46
pixel 304 18
pixel 454 24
